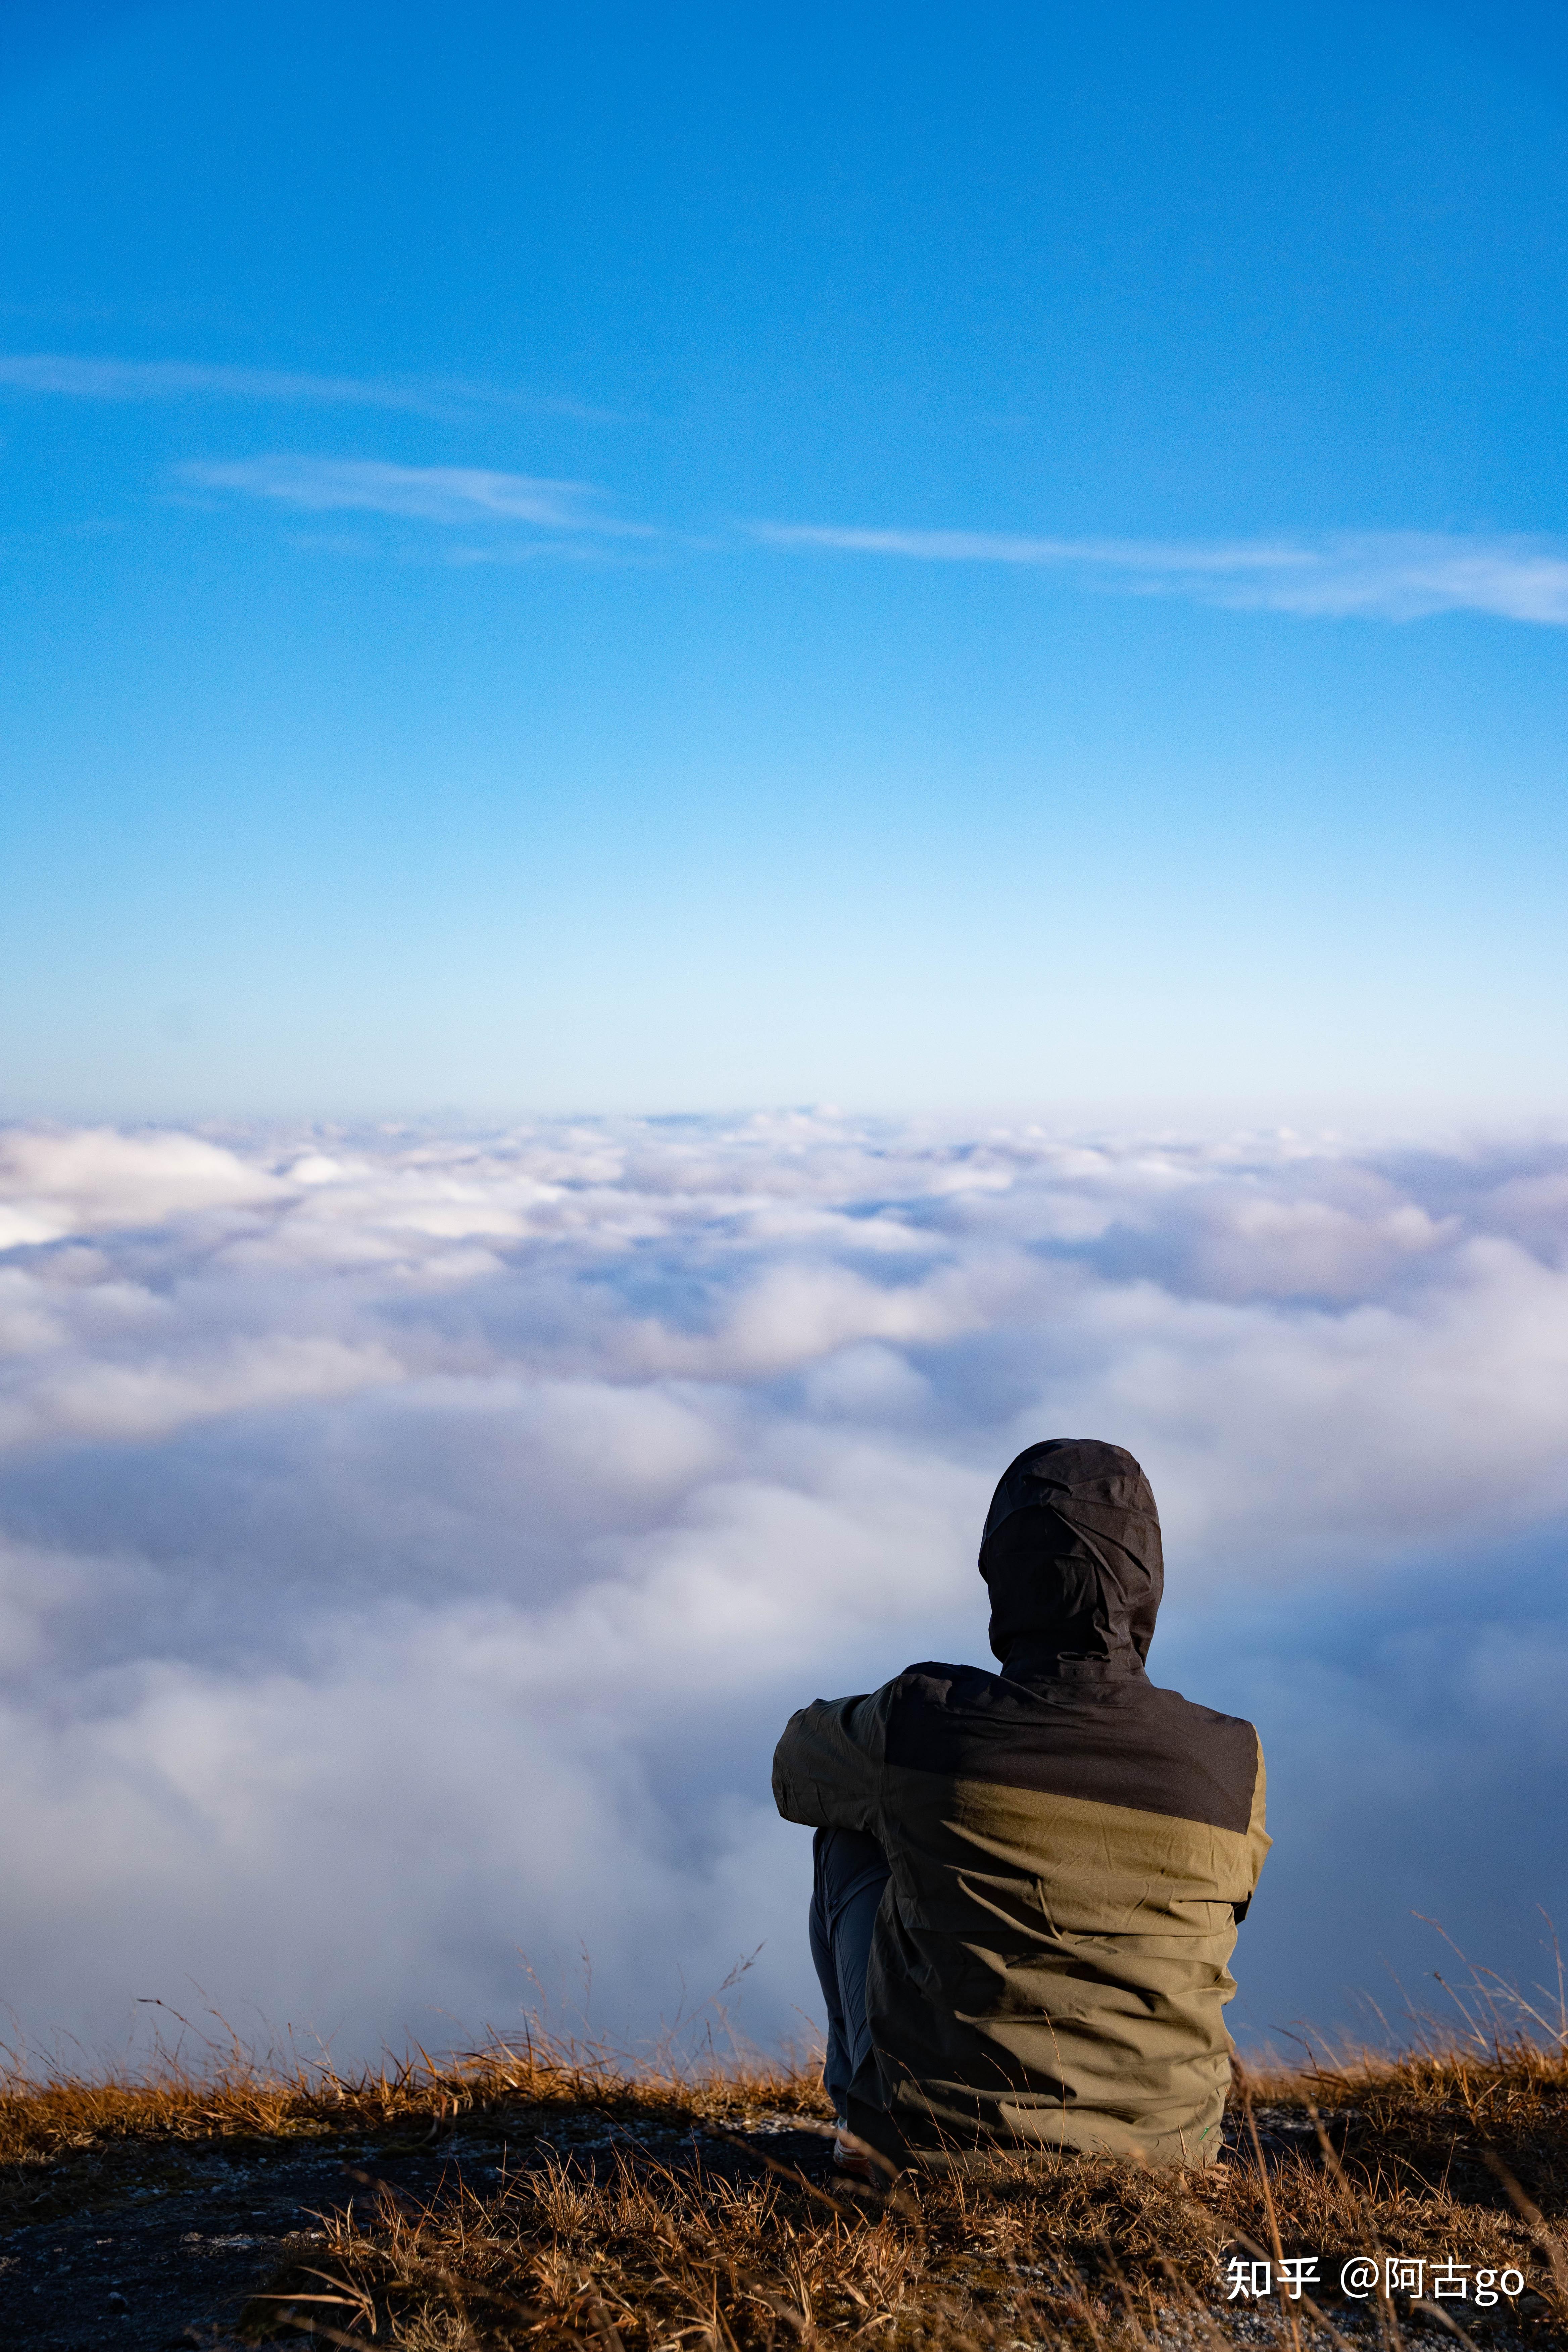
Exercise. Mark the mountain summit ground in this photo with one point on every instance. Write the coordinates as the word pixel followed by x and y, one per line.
pixel 545 2197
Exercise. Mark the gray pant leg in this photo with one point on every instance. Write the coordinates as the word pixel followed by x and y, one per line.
pixel 850 1872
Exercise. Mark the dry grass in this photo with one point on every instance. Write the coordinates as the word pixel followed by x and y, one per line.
pixel 1457 2155
pixel 645 2253
pixel 41 2118
pixel 61 2129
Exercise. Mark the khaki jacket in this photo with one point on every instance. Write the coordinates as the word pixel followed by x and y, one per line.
pixel 1070 1850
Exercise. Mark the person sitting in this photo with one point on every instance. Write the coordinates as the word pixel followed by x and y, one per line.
pixel 1027 1884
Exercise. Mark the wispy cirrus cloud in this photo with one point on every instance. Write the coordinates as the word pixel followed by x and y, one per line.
pixel 1387 575
pixel 435 493
pixel 66 374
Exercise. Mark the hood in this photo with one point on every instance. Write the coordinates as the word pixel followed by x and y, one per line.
pixel 1071 1555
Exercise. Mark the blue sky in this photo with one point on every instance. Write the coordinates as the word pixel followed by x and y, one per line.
pixel 686 557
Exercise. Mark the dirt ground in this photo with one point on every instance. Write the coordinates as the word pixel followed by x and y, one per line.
pixel 148 2248
pixel 169 2246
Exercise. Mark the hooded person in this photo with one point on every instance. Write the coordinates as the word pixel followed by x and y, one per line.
pixel 1028 1882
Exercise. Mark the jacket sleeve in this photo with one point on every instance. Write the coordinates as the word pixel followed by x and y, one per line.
pixel 827 1768
pixel 1257 1838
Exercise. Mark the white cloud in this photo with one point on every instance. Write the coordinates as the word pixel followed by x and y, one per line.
pixel 55 1183
pixel 439 494
pixel 411 1544
pixel 1388 575
pixel 71 376
pixel 114 379
pixel 150 1396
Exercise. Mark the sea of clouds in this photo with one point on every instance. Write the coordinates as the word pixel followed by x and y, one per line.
pixel 411 1544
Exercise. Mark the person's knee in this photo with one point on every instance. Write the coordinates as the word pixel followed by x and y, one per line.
pixel 845 1862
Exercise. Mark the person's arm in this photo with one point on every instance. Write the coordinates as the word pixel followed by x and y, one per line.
pixel 827 1768
pixel 1258 1838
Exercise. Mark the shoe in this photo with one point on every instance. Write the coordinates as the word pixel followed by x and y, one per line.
pixel 851 2161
